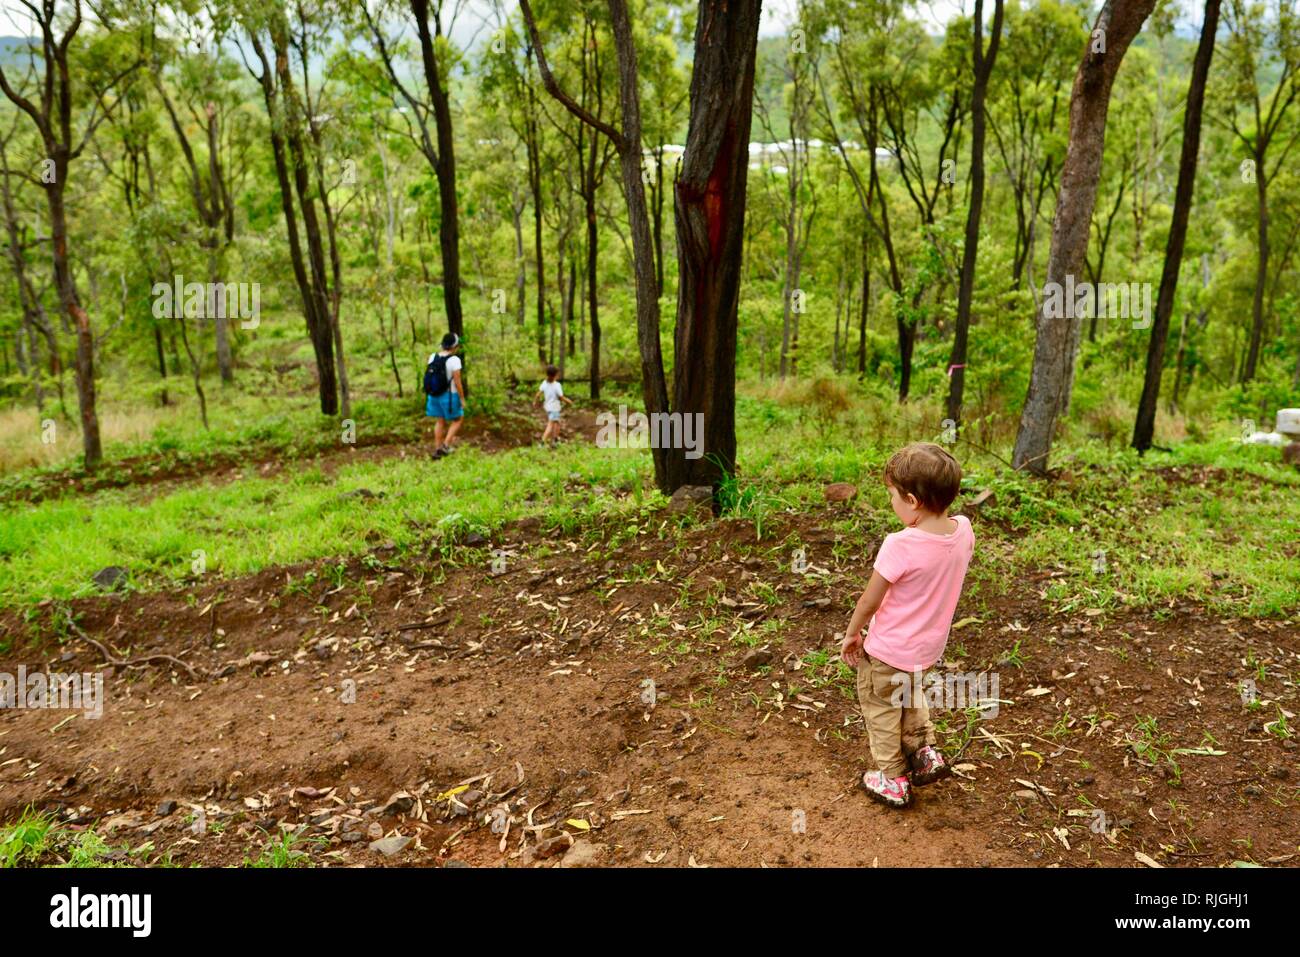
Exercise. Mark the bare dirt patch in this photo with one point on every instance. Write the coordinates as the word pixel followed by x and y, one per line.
pixel 486 715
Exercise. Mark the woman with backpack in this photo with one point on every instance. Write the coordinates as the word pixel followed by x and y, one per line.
pixel 444 394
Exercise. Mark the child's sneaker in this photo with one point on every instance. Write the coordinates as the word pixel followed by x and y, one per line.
pixel 928 766
pixel 893 792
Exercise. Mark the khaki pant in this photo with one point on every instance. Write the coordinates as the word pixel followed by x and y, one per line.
pixel 895 732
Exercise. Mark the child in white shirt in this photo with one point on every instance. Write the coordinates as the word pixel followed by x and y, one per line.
pixel 551 394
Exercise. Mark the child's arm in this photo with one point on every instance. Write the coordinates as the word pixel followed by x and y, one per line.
pixel 537 396
pixel 565 398
pixel 868 603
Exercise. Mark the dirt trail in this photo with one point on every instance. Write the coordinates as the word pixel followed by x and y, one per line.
pixel 529 690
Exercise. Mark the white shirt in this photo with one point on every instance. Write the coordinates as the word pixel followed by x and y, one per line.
pixel 551 393
pixel 453 364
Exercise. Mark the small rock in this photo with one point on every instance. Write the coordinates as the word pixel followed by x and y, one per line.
pixel 692 498
pixel 474 538
pixel 399 803
pixel 583 854
pixel 757 658
pixel 554 845
pixel 166 808
pixel 817 603
pixel 1291 454
pixel 840 492
pixel 351 837
pixel 111 577
pixel 1025 795
pixel 390 846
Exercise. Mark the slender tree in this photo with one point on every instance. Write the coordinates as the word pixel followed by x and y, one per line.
pixel 52 114
pixel 1145 424
pixel 1114 29
pixel 982 65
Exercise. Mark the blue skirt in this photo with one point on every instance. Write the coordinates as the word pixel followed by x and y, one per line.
pixel 445 406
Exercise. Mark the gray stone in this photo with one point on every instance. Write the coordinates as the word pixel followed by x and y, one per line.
pixel 390 846
pixel 583 854
pixel 111 577
pixel 692 498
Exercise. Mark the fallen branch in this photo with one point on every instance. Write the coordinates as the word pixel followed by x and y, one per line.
pixel 117 662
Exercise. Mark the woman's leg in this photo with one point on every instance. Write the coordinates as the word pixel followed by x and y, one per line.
pixel 439 427
pixel 452 429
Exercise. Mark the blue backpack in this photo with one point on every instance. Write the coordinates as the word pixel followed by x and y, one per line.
pixel 435 377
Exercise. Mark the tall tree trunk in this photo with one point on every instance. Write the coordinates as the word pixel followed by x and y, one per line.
pixel 1145 424
pixel 68 299
pixel 521 260
pixel 864 306
pixel 1261 270
pixel 589 199
pixel 444 170
pixel 709 211
pixel 220 323
pixel 1117 25
pixel 628 144
pixel 315 311
pixel 535 184
pixel 983 65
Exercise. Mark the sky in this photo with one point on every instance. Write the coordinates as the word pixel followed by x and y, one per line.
pixel 15 20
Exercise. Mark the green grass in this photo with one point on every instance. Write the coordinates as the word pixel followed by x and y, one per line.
pixel 51 550
pixel 283 852
pixel 36 839
pixel 1230 543
pixel 27 840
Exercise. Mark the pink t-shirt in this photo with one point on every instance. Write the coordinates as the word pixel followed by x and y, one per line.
pixel 925 572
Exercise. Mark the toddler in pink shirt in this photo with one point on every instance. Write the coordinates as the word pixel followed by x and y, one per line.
pixel 909 602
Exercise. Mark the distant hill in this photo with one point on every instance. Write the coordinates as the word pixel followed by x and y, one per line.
pixel 13 50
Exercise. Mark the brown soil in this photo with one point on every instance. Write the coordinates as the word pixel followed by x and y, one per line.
pixel 528 690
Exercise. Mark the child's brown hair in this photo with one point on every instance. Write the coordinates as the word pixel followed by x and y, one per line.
pixel 552 372
pixel 927 471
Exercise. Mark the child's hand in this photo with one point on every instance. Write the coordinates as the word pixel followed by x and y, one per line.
pixel 851 649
